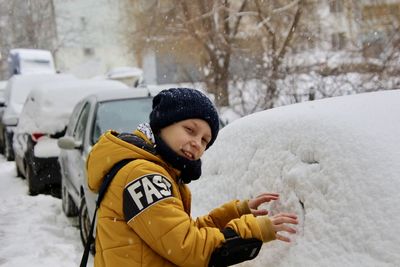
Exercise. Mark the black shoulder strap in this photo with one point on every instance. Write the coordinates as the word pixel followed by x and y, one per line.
pixel 137 141
pixel 103 189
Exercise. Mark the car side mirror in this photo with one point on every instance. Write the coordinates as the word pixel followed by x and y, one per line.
pixel 68 142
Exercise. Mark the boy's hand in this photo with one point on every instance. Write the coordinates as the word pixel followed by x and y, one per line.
pixel 258 200
pixel 279 222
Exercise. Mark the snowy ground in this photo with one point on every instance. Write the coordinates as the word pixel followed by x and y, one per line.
pixel 33 229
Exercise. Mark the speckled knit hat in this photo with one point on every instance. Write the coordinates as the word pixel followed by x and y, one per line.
pixel 177 104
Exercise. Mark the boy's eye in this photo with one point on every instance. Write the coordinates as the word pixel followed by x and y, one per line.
pixel 188 129
pixel 204 141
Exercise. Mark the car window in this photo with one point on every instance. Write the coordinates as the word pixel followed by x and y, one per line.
pixel 81 123
pixel 120 115
pixel 73 118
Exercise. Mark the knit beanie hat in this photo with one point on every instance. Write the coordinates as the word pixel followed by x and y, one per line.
pixel 178 104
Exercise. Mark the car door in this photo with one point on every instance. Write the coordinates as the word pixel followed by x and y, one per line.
pixel 66 156
pixel 75 158
pixel 90 197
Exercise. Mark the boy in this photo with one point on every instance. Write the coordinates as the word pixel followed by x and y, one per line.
pixel 144 218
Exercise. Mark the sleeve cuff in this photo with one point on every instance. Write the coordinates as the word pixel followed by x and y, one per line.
pixel 243 207
pixel 266 229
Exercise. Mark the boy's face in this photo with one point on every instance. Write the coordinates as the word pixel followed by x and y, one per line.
pixel 188 138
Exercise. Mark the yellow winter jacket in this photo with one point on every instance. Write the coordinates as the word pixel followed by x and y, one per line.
pixel 144 218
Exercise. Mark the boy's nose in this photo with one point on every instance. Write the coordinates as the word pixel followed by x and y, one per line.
pixel 195 143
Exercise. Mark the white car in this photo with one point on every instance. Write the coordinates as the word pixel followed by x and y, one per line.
pixel 43 120
pixel 17 89
pixel 30 61
pixel 335 163
pixel 94 115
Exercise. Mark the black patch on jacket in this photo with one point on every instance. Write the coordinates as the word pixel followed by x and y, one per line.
pixel 234 250
pixel 144 192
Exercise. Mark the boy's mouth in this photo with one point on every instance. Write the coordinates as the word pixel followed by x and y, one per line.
pixel 188 155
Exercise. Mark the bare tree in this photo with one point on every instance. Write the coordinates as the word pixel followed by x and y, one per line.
pixel 279 23
pixel 26 24
pixel 219 30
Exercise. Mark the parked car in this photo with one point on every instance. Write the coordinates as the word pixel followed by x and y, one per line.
pixel 94 115
pixel 43 120
pixel 15 94
pixel 30 61
pixel 335 163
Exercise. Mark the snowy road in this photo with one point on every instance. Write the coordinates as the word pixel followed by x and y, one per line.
pixel 33 229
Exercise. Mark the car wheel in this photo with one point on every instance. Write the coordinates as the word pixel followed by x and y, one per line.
pixel 68 205
pixel 84 224
pixel 31 179
pixel 8 151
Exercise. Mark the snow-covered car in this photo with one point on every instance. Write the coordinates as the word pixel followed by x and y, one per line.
pixel 43 120
pixel 335 162
pixel 15 94
pixel 30 61
pixel 94 115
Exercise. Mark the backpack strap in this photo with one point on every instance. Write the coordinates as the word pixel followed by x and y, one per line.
pixel 103 189
pixel 137 141
pixel 134 140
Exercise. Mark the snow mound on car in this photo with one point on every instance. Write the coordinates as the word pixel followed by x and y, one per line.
pixel 335 162
pixel 49 105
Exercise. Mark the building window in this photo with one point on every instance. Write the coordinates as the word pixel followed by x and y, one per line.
pixel 88 51
pixel 336 6
pixel 338 41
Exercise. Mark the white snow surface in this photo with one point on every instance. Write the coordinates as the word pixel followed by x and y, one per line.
pixel 48 108
pixel 33 230
pixel 46 147
pixel 340 157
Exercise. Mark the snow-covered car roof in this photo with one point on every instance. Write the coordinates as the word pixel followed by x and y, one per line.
pixel 122 94
pixel 19 86
pixel 49 106
pixel 122 72
pixel 335 163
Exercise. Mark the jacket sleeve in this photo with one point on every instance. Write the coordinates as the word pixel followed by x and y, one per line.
pixel 160 220
pixel 220 216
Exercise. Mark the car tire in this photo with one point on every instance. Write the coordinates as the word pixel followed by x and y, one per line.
pixel 31 179
pixel 8 150
pixel 68 205
pixel 84 224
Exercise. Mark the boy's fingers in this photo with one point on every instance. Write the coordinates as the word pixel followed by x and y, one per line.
pixel 268 194
pixel 288 229
pixel 282 238
pixel 259 212
pixel 286 215
pixel 268 197
pixel 282 220
pixel 263 198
